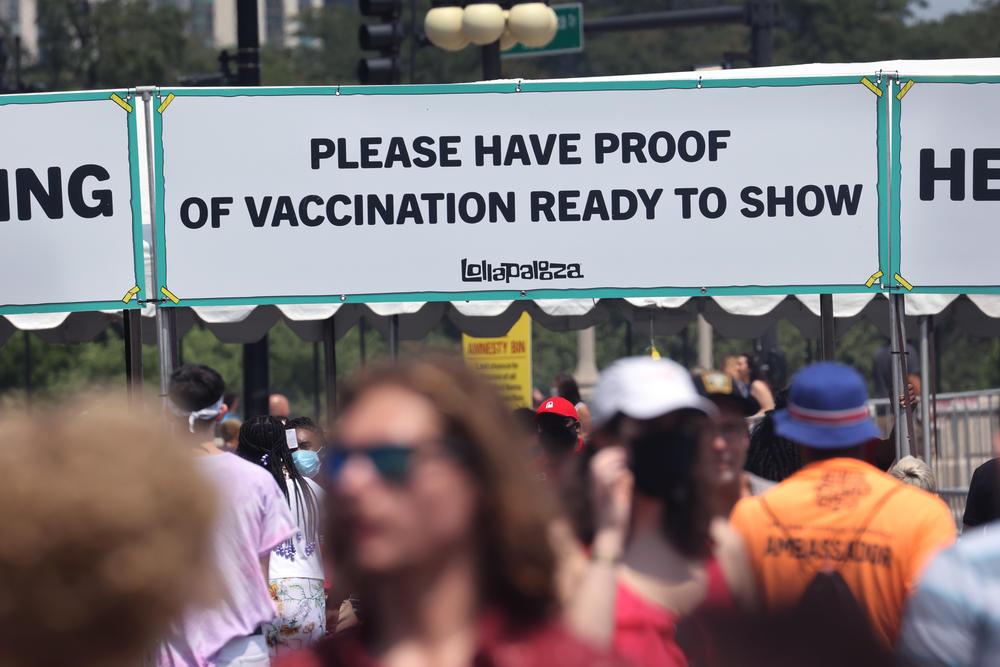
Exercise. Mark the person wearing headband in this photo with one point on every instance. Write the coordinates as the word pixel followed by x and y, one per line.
pixel 253 519
pixel 209 414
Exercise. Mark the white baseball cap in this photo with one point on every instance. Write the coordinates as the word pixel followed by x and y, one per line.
pixel 643 388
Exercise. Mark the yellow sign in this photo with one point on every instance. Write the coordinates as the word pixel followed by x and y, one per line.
pixel 505 361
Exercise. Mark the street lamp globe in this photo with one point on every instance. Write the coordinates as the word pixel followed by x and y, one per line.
pixel 483 22
pixel 443 27
pixel 507 40
pixel 532 23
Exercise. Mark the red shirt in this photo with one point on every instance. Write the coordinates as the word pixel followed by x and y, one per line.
pixel 645 632
pixel 548 645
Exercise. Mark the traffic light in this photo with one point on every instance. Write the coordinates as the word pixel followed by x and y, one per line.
pixel 385 36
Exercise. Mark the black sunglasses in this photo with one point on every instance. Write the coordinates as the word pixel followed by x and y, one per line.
pixel 394 463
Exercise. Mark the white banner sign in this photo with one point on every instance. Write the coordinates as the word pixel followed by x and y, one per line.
pixel 949 212
pixel 67 229
pixel 460 193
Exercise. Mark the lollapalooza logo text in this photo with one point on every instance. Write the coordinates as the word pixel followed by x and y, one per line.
pixel 504 272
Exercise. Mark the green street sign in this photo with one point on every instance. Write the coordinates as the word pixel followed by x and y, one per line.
pixel 568 39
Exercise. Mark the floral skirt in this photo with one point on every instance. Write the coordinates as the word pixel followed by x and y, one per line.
pixel 301 617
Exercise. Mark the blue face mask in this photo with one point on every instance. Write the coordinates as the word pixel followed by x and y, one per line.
pixel 306 461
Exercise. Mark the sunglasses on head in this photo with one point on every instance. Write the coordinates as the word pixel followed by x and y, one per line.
pixel 394 463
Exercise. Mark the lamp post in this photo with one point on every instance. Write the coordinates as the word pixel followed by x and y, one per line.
pixel 452 25
pixel 256 373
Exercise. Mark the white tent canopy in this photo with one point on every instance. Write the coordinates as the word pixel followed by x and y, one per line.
pixel 732 317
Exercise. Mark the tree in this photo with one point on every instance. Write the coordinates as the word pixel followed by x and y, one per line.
pixel 973 34
pixel 840 31
pixel 320 58
pixel 113 44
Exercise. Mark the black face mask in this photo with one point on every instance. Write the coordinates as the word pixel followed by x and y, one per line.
pixel 555 436
pixel 649 460
pixel 661 459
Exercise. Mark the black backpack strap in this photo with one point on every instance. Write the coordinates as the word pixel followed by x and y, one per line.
pixel 879 504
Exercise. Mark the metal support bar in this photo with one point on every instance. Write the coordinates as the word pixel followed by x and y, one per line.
pixel 491 61
pixel 689 357
pixel 706 351
pixel 27 369
pixel 170 315
pixel 827 336
pixel 394 338
pixel 165 323
pixel 330 369
pixel 666 19
pixel 256 378
pixel 132 331
pixel 165 346
pixel 414 38
pixel 316 401
pixel 762 15
pixel 931 420
pixel 248 41
pixel 925 385
pixel 586 361
pixel 18 83
pixel 362 330
pixel 897 388
pixel 904 373
pixel 178 341
pixel 761 42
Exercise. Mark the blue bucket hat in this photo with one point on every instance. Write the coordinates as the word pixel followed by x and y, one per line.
pixel 827 408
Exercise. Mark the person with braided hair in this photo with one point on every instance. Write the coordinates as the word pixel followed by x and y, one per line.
pixel 770 456
pixel 295 570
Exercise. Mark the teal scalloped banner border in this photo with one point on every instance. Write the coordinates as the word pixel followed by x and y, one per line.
pixel 516 295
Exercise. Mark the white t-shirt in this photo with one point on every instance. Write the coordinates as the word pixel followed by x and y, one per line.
pixel 299 556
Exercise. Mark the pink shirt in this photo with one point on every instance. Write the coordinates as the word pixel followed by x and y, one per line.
pixel 644 631
pixel 498 644
pixel 253 519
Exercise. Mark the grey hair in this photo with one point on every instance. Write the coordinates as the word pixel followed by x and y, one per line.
pixel 911 470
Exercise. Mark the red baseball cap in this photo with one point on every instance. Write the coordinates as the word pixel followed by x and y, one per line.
pixel 558 406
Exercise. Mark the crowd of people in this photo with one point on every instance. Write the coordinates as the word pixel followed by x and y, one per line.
pixel 429 525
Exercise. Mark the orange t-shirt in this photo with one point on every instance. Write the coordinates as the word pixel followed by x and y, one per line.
pixel 822 507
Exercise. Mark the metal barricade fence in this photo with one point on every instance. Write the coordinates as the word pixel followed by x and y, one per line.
pixel 962 441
